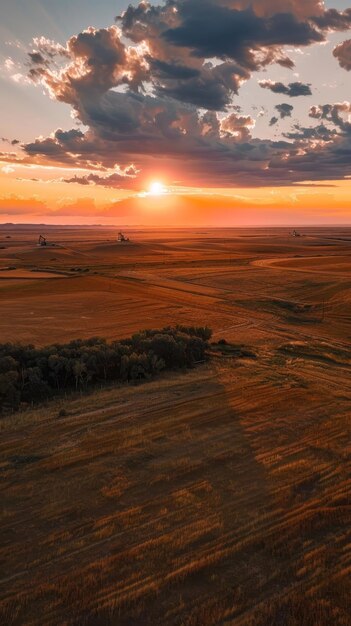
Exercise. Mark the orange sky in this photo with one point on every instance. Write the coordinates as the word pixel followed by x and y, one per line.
pixel 25 200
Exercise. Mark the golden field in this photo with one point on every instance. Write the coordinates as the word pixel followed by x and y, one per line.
pixel 216 496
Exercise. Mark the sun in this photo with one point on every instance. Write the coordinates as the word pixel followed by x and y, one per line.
pixel 157 188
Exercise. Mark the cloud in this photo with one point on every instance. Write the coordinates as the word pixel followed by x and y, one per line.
pixel 49 49
pixel 126 179
pixel 61 147
pixel 212 30
pixel 173 43
pixel 98 61
pixel 267 8
pixel 342 52
pixel 333 113
pixel 7 169
pixel 334 20
pixel 293 90
pixel 37 58
pixel 157 89
pixel 211 89
pixel 237 126
pixel 320 133
pixel 13 142
pixel 284 110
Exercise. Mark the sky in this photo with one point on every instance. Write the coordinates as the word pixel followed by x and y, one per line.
pixel 175 113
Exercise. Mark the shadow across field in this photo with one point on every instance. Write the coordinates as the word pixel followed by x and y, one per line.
pixel 127 507
pixel 174 506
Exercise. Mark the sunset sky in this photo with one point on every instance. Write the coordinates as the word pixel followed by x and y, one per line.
pixel 183 112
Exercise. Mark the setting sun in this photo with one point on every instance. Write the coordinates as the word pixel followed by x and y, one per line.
pixel 157 188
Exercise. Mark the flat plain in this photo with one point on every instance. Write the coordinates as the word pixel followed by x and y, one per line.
pixel 216 496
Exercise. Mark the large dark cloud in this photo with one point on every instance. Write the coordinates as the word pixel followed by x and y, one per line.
pixel 240 35
pixel 212 88
pixel 212 30
pixel 173 43
pixel 157 91
pixel 293 90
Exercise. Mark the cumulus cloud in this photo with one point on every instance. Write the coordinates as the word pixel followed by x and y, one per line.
pixel 342 52
pixel 293 90
pixel 157 89
pixel 172 45
pixel 210 29
pixel 237 126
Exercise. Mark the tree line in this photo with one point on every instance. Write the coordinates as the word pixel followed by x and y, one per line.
pixel 29 374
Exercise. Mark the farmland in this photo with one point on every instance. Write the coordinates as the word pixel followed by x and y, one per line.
pixel 220 495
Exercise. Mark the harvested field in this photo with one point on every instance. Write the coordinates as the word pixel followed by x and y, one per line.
pixel 221 278
pixel 25 274
pixel 217 496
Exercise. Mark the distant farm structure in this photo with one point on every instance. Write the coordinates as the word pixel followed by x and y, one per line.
pixel 43 242
pixel 122 238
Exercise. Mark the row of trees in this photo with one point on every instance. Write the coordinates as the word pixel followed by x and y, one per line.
pixel 29 374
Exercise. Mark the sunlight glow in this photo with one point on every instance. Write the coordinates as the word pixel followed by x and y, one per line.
pixel 157 189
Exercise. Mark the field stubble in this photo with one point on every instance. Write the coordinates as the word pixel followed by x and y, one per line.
pixel 220 496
